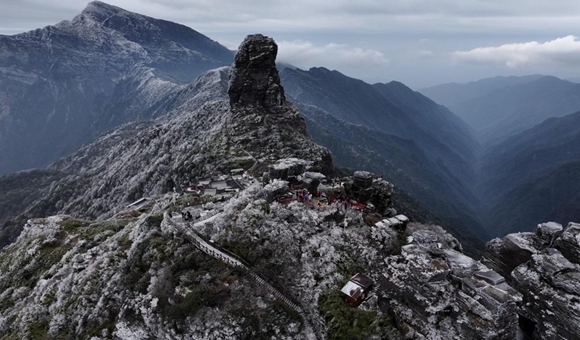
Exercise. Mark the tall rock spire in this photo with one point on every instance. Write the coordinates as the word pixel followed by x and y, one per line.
pixel 254 79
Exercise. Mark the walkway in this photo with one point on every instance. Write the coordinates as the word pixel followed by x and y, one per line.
pixel 231 259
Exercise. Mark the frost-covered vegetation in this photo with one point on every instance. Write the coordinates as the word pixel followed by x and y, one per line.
pixel 139 277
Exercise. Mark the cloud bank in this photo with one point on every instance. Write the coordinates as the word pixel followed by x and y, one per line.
pixel 305 54
pixel 563 51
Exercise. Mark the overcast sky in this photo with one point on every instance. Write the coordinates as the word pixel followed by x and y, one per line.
pixel 418 42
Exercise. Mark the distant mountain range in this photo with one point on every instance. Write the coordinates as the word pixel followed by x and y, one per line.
pixel 64 85
pixel 529 129
pixel 390 108
pixel 500 107
pixel 452 94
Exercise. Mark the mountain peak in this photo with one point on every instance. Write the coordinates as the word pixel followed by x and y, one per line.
pixel 254 78
pixel 101 10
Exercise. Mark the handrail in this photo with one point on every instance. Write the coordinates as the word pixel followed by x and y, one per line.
pixel 232 259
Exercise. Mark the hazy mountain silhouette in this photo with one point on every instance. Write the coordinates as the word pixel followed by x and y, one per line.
pixel 389 108
pixel 452 94
pixel 530 154
pixel 508 106
pixel 551 197
pixel 523 166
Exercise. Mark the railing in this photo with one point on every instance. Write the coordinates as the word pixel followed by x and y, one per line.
pixel 232 259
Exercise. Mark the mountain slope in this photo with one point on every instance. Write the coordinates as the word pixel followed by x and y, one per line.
pixel 63 85
pixel 374 107
pixel 139 274
pixel 533 153
pixel 36 193
pixel 507 110
pixel 203 135
pixel 404 165
pixel 551 197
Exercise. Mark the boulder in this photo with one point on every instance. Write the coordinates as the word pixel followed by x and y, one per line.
pixel 546 234
pixel 544 267
pixel 441 293
pixel 504 255
pixel 568 242
pixel 287 167
pixel 362 179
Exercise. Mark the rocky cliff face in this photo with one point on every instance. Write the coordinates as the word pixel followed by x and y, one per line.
pixel 545 267
pixel 262 120
pixel 254 79
pixel 436 292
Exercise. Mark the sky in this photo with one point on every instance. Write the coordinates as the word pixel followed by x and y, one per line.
pixel 417 42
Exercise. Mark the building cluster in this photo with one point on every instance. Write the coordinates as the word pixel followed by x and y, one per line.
pixel 218 183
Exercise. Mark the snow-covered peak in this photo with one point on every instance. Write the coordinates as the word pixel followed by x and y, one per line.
pixel 101 11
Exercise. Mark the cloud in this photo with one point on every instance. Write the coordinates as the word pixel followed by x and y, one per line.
pixel 305 54
pixel 425 53
pixel 564 51
pixel 422 17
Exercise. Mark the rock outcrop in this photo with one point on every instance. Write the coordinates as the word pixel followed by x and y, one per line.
pixel 368 187
pixel 254 78
pixel 263 123
pixel 436 292
pixel 545 267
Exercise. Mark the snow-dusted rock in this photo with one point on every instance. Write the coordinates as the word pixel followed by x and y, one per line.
pixel 439 293
pixel 544 267
pixel 254 80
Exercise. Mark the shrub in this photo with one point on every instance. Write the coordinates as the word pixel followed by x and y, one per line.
pixel 192 303
pixel 155 220
pixel 345 322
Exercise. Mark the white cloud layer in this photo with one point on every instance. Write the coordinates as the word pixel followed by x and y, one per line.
pixel 305 54
pixel 563 51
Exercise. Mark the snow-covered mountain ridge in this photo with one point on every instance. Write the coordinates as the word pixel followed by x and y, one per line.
pixel 119 272
pixel 63 85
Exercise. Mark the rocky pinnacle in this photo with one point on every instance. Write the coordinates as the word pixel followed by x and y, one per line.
pixel 254 79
